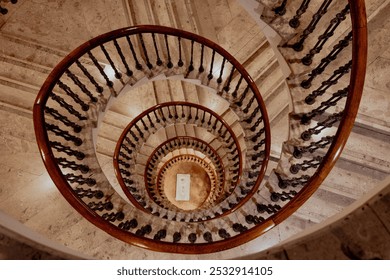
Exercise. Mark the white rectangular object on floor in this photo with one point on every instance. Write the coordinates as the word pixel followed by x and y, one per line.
pixel 183 187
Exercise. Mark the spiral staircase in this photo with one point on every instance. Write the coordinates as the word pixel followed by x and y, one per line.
pixel 261 123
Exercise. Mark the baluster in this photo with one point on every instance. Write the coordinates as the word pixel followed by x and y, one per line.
pixel 100 206
pixel 176 237
pixel 281 9
pixel 234 93
pixel 337 96
pixel 117 74
pixel 270 208
pixel 81 193
pixel 250 219
pixel 237 227
pixel 219 80
pixel 64 134
pixel 283 196
pixel 148 64
pixel 169 64
pixel 79 179
pixel 223 233
pixel 161 234
pixel 67 150
pixel 210 75
pixel 227 87
pixel 74 96
pixel 321 144
pixel 180 62
pixel 63 119
pixel 150 121
pixel 66 106
pixel 294 182
pixel 337 74
pixel 139 130
pixel 295 21
pixel 328 122
pixel 129 73
pixel 298 46
pixel 246 109
pixel 191 66
pixel 158 61
pixel 342 44
pixel 113 216
pixel 122 154
pixel 99 88
pixel 145 230
pixel 242 98
pixel 65 163
pixel 306 164
pixel 100 69
pixel 201 68
pixel 328 33
pixel 192 237
pixel 138 65
pixel 127 225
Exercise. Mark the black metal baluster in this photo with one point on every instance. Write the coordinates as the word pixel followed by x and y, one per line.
pixel 145 51
pixel 56 115
pixel 129 73
pixel 65 163
pixel 295 21
pixel 323 38
pixel 64 134
pixel 101 71
pixel 201 68
pixel 108 57
pixel 342 44
pixel 169 63
pixel 158 61
pixel 180 62
pixel 66 106
pixel 67 150
pixel 99 88
pixel 74 96
pixel 138 65
pixel 210 75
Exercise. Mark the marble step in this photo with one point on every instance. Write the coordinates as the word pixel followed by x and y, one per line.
pixel 30 51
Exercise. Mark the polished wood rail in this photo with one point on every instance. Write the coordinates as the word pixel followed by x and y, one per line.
pixel 78 91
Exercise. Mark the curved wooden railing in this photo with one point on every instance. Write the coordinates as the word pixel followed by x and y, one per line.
pixel 317 136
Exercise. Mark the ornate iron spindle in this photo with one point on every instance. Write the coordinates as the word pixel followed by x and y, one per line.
pixel 180 63
pixel 108 57
pixel 100 69
pixel 129 73
pixel 81 193
pixel 337 74
pixel 342 44
pixel 145 52
pixel 66 106
pixel 281 9
pixel 64 134
pixel 295 21
pixel 138 65
pixel 298 46
pixel 65 163
pixel 158 61
pixel 169 63
pixel 323 38
pixel 306 164
pixel 321 144
pixel 63 119
pixel 210 75
pixel 74 96
pixel 67 150
pixel 99 88
pixel 328 122
pixel 79 179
